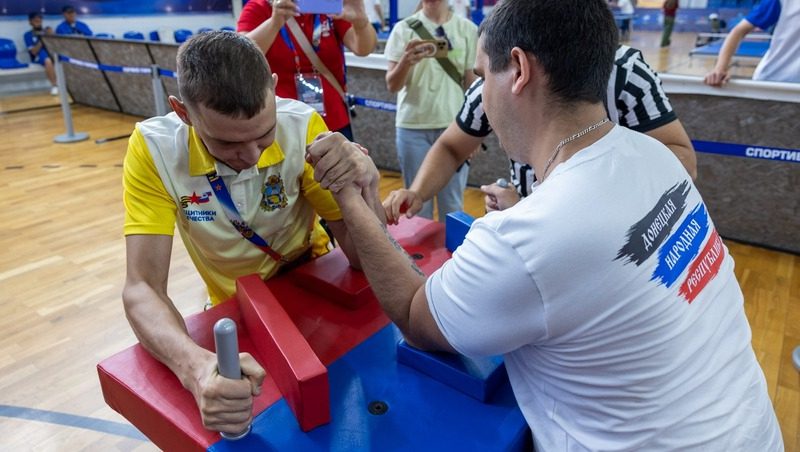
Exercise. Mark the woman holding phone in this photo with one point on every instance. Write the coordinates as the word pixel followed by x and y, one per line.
pixel 431 55
pixel 265 22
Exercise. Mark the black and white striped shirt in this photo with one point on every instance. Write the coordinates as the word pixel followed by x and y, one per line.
pixel 635 99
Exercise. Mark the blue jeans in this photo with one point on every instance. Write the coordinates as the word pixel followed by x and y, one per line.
pixel 412 147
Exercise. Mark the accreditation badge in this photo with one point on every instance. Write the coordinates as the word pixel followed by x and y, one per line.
pixel 309 91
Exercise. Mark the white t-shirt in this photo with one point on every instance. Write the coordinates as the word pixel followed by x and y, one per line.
pixel 625 6
pixel 781 63
pixel 615 305
pixel 459 7
pixel 430 99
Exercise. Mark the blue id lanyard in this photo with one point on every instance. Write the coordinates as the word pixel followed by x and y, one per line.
pixel 218 185
pixel 316 37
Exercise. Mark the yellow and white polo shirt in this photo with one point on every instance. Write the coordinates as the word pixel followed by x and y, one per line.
pixel 165 183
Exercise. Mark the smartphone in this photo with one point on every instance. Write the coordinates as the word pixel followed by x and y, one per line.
pixel 331 7
pixel 434 48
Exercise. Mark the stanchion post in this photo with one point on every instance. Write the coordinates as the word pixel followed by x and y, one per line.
pixel 477 13
pixel 70 136
pixel 393 12
pixel 158 92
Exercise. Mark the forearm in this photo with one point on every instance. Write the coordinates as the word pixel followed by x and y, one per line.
pixel 265 34
pixel 436 171
pixel 396 76
pixel 371 198
pixel 364 37
pixel 731 43
pixel 393 276
pixel 450 151
pixel 162 332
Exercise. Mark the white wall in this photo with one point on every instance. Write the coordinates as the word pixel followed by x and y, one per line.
pixel 405 8
pixel 15 27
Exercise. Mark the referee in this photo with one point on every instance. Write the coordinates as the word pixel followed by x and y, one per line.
pixel 634 99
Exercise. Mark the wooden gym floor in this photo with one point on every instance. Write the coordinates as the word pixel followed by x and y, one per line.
pixel 62 266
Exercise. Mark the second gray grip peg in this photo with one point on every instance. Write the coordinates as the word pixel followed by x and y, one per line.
pixel 228 360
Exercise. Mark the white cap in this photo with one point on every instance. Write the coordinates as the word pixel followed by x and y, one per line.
pixel 713 16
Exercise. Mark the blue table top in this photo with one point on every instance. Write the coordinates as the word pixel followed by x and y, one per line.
pixel 754 49
pixel 421 414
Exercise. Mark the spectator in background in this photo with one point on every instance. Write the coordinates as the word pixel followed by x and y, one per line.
pixel 71 25
pixel 634 99
pixel 375 14
pixel 36 48
pixel 264 22
pixel 670 10
pixel 460 8
pixel 781 63
pixel 626 11
pixel 430 90
pixel 717 25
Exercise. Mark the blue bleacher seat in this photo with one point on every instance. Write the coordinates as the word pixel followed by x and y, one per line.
pixel 133 35
pixel 104 35
pixel 204 30
pixel 226 28
pixel 154 36
pixel 182 35
pixel 8 55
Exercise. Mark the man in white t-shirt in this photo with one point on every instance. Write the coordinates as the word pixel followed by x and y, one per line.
pixel 607 289
pixel 625 8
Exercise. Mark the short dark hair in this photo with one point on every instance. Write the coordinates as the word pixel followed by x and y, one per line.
pixel 224 71
pixel 34 14
pixel 67 9
pixel 574 41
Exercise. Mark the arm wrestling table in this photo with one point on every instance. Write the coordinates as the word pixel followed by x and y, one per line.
pixel 337 379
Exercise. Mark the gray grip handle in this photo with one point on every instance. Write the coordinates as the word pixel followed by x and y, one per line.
pixel 228 360
pixel 227 349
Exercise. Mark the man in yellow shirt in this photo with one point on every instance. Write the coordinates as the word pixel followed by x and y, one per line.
pixel 228 166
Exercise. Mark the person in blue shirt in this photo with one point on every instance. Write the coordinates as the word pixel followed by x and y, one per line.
pixel 71 25
pixel 36 50
pixel 781 63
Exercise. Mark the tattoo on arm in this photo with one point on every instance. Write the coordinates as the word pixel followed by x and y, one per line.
pixel 400 248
